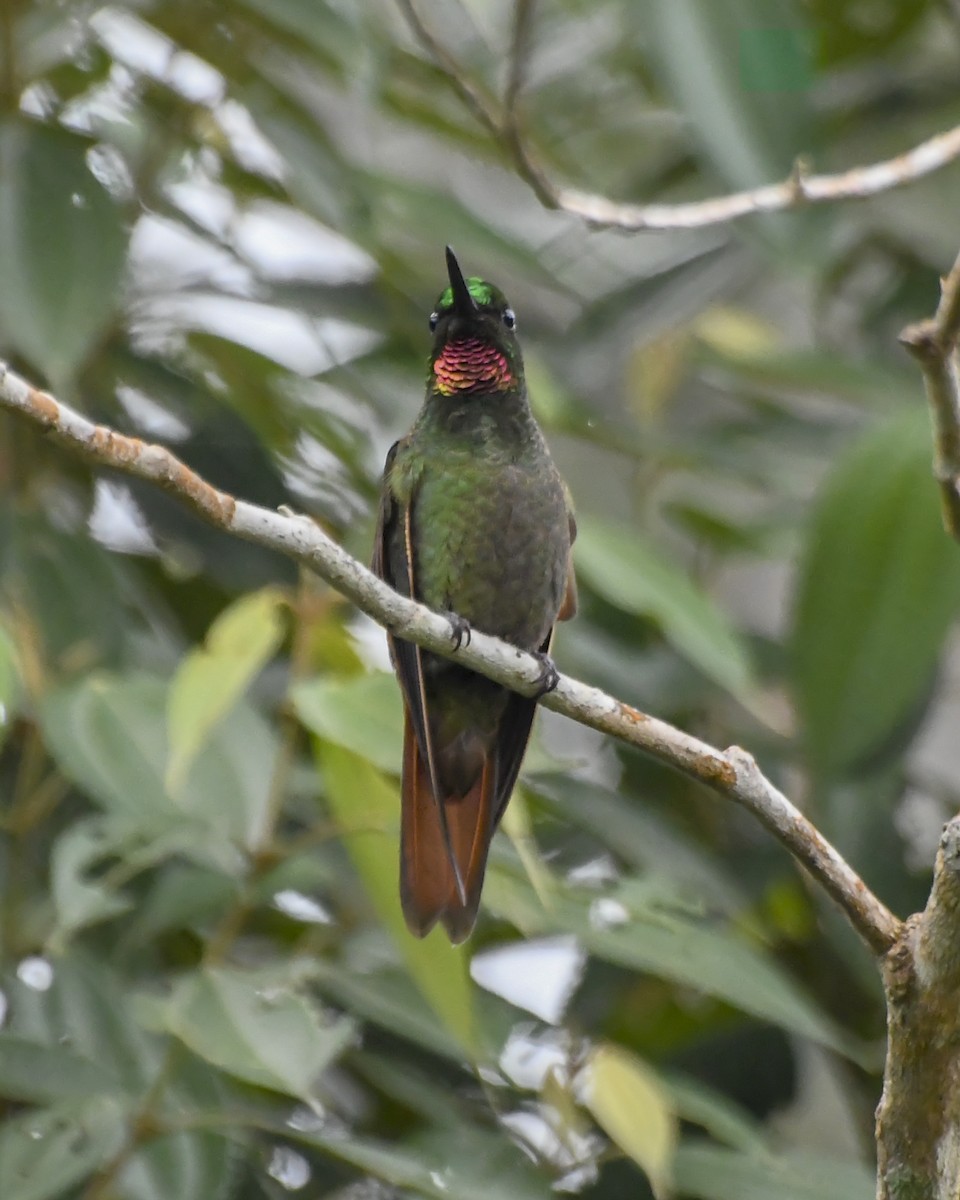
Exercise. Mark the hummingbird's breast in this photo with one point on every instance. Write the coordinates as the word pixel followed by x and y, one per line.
pixel 491 540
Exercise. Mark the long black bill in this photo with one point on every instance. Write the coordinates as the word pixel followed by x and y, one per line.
pixel 464 304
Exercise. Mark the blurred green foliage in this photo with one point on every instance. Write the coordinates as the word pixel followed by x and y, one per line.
pixel 221 227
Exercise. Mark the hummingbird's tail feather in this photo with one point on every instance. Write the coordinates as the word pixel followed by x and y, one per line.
pixel 426 877
pixel 471 821
pixel 428 885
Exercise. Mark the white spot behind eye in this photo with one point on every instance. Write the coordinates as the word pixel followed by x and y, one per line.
pixel 509 318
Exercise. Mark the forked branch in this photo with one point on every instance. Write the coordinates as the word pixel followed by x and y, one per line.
pixel 933 343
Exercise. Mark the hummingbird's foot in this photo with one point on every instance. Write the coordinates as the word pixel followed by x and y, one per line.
pixel 459 629
pixel 549 676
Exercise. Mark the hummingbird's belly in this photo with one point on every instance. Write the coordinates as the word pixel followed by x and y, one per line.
pixel 494 549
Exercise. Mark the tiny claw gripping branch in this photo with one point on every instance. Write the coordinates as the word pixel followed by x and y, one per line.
pixel 549 676
pixel 460 631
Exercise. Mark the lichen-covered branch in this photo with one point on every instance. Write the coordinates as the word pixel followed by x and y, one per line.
pixel 918 1120
pixel 732 773
pixel 801 188
pixel 933 343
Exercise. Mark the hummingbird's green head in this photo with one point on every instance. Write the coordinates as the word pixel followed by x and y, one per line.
pixel 475 349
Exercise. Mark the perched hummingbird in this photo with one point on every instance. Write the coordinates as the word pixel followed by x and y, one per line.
pixel 475 522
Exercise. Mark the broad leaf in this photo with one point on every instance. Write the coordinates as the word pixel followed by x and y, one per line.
pixel 188 1166
pixel 630 572
pixel 83 1031
pixel 212 678
pixel 39 1073
pixel 362 714
pixel 706 956
pixel 879 588
pixel 389 999
pixel 9 682
pixel 48 1152
pixel 108 734
pixel 709 1173
pixel 720 1116
pixel 258 1027
pixel 77 899
pixel 633 1106
pixel 62 249
pixel 643 839
pixel 465 1163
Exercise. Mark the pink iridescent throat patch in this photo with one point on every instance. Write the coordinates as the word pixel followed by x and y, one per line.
pixel 471 366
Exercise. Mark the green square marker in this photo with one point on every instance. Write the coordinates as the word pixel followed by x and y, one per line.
pixel 775 60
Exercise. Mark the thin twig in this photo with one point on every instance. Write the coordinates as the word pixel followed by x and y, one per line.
pixel 471 96
pixel 519 55
pixel 934 345
pixel 732 773
pixel 796 191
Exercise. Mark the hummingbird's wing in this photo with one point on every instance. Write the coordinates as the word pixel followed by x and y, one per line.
pixel 568 606
pixel 430 873
pixel 393 562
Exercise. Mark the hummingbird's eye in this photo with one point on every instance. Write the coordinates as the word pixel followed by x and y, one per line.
pixel 509 318
pixel 434 318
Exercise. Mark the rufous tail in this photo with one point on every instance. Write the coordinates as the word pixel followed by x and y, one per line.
pixel 428 889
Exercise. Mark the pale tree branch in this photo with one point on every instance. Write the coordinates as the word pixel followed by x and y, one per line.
pixel 933 343
pixel 918 1119
pixel 799 189
pixel 732 773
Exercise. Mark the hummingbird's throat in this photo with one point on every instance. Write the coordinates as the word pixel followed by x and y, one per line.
pixel 471 366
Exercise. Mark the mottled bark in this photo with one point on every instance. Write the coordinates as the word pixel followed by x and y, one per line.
pixel 918 1119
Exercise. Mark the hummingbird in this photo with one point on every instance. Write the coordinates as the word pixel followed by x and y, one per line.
pixel 475 522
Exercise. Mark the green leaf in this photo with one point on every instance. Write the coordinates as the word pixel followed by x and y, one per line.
pixel 699 1104
pixel 321 28
pixel 467 1164
pixel 44 1074
pixel 879 588
pixel 630 1103
pixel 698 954
pixel 367 810
pixel 62 249
pixel 258 1027
pixel 798 372
pixel 66 588
pixel 630 572
pixel 87 1015
pixel 182 896
pixel 362 714
pixel 188 1166
pixel 390 999
pixel 108 734
pixel 9 681
pixel 843 34
pixel 212 678
pixel 48 1152
pixel 89 1012
pixel 78 902
pixel 643 839
pixel 709 1173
